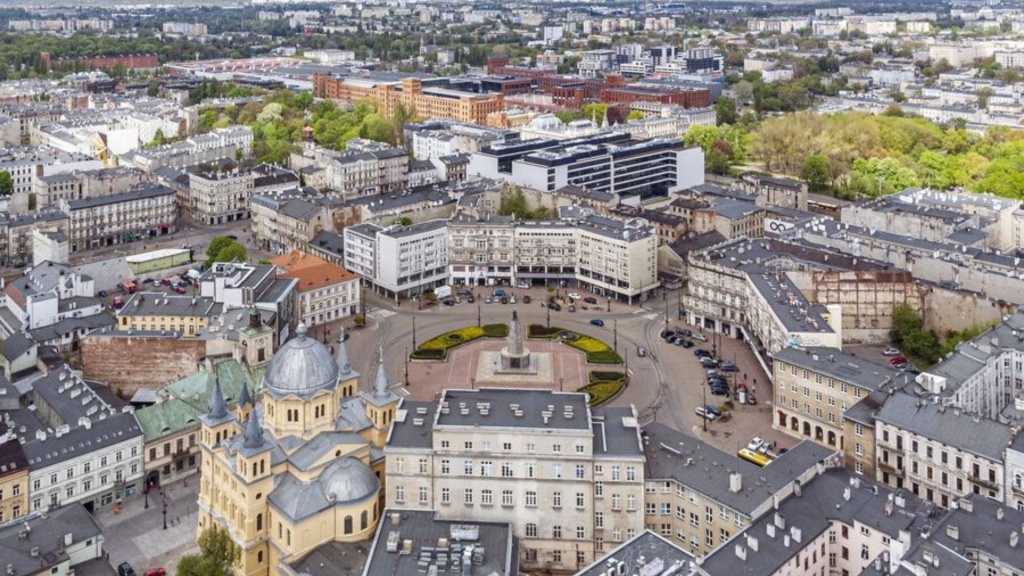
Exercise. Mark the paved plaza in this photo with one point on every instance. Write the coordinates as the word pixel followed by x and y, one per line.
pixel 136 534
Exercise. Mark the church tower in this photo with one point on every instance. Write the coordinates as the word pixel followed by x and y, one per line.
pixel 253 466
pixel 218 425
pixel 381 405
pixel 245 403
pixel 348 379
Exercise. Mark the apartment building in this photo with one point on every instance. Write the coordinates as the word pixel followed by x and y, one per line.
pixel 325 292
pixel 836 523
pixel 219 144
pixel 814 386
pixel 775 191
pixel 439 138
pixel 215 197
pixel 147 211
pixel 364 168
pixel 236 285
pixel 503 455
pixel 284 221
pixel 14 480
pixel 700 497
pixel 81 184
pixel 27 163
pixel 480 249
pixel 426 101
pixel 185 315
pixel 617 257
pixel 610 162
pixel 399 261
pixel 939 453
pixel 62 468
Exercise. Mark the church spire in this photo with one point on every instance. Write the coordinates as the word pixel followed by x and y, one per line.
pixel 253 436
pixel 244 398
pixel 344 364
pixel 381 388
pixel 218 407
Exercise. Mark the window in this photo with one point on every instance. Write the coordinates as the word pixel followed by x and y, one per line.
pixel 556 499
pixel 531 470
pixel 598 519
pixel 630 474
pixel 446 466
pixel 581 532
pixel 506 498
pixel 468 498
pixel 556 532
pixel 580 501
pixel 556 556
pixel 531 499
pixel 556 470
pixel 506 470
pixel 467 467
pixel 400 465
pixel 598 489
pixel 468 445
pixel 399 493
pixel 580 448
pixel 446 495
pixel 486 469
pixel 556 448
pixel 423 465
pixel 423 494
pixel 615 473
pixel 506 446
pixel 445 444
pixel 631 502
pixel 531 447
pixel 486 497
pixel 531 530
pixel 616 502
pixel 581 472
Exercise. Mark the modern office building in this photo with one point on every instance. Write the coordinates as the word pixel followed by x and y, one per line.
pixel 399 261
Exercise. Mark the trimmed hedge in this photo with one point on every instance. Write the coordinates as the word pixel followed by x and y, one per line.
pixel 495 330
pixel 596 376
pixel 542 331
pixel 601 392
pixel 604 357
pixel 437 347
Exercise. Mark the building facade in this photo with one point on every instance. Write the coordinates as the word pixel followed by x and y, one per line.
pixel 399 260
pixel 325 292
pixel 145 212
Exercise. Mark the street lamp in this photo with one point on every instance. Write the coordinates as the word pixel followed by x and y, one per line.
pixel 549 316
pixel 406 366
pixel 615 334
pixel 165 508
pixel 478 323
pixel 413 332
pixel 145 494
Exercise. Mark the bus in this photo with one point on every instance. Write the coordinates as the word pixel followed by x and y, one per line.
pixel 751 456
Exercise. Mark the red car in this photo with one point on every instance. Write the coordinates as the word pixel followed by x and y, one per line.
pixel 898 360
pixel 158 571
pixel 179 289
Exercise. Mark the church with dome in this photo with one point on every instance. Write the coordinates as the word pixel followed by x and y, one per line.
pixel 300 465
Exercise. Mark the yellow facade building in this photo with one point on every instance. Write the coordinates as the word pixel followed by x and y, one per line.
pixel 152 311
pixel 302 468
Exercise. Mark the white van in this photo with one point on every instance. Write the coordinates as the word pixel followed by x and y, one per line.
pixel 443 292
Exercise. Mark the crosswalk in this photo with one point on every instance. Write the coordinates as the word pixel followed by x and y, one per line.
pixel 381 314
pixel 653 315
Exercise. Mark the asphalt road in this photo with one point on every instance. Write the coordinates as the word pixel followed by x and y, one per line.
pixel 665 385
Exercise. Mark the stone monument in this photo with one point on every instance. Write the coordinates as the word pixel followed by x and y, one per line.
pixel 515 357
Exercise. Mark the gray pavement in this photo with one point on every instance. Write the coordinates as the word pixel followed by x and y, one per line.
pixel 665 386
pixel 136 534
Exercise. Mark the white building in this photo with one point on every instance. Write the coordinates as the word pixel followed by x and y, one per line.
pixel 399 260
pixel 63 468
pixel 569 478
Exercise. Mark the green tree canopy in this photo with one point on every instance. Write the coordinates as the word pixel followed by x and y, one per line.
pixel 225 249
pixel 6 183
pixel 217 555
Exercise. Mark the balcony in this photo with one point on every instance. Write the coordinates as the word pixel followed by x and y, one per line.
pixel 983 482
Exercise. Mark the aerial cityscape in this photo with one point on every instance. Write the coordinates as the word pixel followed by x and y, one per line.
pixel 398 288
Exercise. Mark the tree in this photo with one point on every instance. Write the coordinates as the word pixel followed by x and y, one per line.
pixel 983 94
pixel 403 221
pixel 816 171
pixel 217 243
pixel 234 252
pixel 513 203
pixel 725 110
pixel 158 139
pixel 217 555
pixel 6 183
pixel 634 115
pixel 154 89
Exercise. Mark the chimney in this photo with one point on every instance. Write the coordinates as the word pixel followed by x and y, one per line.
pixel 735 482
pixel 1014 539
pixel 741 552
pixel 752 542
pixel 953 531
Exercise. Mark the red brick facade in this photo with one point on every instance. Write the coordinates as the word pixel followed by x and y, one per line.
pixel 131 363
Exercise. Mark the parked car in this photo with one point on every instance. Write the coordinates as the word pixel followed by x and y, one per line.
pixel 684 331
pixel 125 569
pixel 708 362
pixel 672 339
pixel 554 306
pixel 464 292
pixel 499 293
pixel 574 295
pixel 449 302
pixel 910 369
pixel 729 367
pixel 700 337
pixel 488 300
pixel 158 571
pixel 890 351
pixel 641 351
pixel 684 343
pixel 572 307
pixel 755 444
pixel 102 293
pixel 720 391
pixel 713 409
pixel 590 300
pixel 597 322
pixel 897 360
pixel 166 281
pixel 700 352
pixel 148 281
pixel 703 412
pixel 471 299
pixel 523 285
pixel 179 290
pixel 504 299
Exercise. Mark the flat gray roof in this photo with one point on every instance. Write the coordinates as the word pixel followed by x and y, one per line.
pixel 467 408
pixel 979 436
pixel 646 549
pixel 834 362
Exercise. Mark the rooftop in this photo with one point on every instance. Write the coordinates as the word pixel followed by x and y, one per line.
pixel 837 364
pixel 645 553
pixel 979 436
pixel 480 548
pixel 514 408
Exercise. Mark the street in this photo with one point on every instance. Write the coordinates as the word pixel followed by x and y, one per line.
pixel 665 386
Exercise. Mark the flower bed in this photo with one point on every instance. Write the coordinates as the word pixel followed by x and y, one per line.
pixel 597 351
pixel 603 386
pixel 437 347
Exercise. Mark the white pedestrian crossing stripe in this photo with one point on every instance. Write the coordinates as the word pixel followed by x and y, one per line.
pixel 381 314
pixel 652 315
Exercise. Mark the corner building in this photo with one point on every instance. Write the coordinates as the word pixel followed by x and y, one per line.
pixel 567 477
pixel 303 467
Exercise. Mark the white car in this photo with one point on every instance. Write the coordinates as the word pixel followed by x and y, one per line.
pixel 890 351
pixel 755 444
pixel 575 296
pixel 703 412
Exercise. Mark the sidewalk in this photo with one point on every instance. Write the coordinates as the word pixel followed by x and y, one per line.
pixel 136 535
